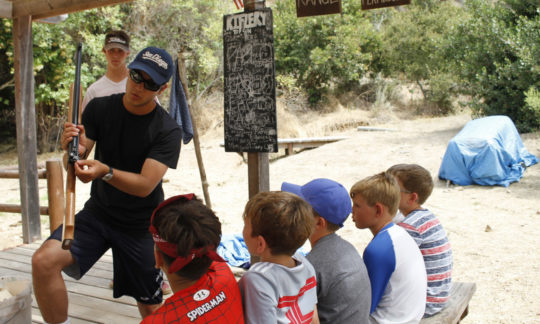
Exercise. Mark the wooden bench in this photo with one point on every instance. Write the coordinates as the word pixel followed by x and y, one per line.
pixel 300 143
pixel 458 305
pixel 308 142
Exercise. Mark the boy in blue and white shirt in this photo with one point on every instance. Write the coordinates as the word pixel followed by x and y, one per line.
pixel 394 262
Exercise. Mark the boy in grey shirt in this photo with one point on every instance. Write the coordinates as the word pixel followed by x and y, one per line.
pixel 343 286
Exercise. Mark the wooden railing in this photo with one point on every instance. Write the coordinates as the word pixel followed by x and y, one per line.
pixel 55 192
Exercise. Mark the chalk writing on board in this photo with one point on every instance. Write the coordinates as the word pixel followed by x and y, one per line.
pixel 249 79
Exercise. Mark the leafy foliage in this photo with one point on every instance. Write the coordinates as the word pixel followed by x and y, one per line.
pixel 192 27
pixel 486 50
pixel 413 40
pixel 495 52
pixel 326 51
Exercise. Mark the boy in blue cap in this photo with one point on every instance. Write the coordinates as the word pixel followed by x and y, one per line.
pixel 341 273
pixel 136 142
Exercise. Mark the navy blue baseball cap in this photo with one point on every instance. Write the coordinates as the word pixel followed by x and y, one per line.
pixel 154 61
pixel 328 198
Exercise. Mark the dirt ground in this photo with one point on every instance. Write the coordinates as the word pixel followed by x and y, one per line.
pixel 494 231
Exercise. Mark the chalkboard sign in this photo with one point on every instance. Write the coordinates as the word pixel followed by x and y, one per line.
pixel 250 91
pixel 374 4
pixel 305 8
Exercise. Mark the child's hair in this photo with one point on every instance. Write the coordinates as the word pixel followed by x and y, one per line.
pixel 283 219
pixel 414 178
pixel 190 225
pixel 380 188
pixel 331 227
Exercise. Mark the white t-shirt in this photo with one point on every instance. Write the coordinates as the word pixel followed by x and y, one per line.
pixel 103 87
pixel 273 293
pixel 398 277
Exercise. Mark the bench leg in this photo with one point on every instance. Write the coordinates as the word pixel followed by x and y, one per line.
pixel 289 149
pixel 465 313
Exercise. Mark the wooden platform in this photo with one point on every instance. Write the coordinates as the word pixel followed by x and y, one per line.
pixel 90 299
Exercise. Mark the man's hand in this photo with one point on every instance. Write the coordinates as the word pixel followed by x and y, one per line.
pixel 70 131
pixel 88 170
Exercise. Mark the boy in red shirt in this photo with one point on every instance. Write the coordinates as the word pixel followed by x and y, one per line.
pixel 186 234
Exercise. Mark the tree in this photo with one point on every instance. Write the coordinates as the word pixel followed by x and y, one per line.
pixel 412 41
pixel 495 51
pixel 324 52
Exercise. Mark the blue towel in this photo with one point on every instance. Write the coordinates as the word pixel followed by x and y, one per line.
pixel 178 107
pixel 233 249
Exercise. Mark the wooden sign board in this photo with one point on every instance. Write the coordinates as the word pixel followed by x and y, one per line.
pixel 374 4
pixel 305 8
pixel 250 85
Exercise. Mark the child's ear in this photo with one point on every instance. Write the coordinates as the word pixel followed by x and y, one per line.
pixel 379 210
pixel 414 197
pixel 320 222
pixel 261 245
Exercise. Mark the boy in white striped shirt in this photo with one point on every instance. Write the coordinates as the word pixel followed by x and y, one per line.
pixel 416 186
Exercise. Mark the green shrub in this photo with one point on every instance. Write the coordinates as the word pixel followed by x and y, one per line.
pixel 496 53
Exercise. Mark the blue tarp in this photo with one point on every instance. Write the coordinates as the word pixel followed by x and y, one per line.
pixel 487 151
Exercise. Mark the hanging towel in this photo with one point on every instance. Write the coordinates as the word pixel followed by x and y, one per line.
pixel 178 107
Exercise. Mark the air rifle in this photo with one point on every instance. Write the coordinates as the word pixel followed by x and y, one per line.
pixel 73 156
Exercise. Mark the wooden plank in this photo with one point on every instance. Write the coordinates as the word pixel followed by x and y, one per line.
pixel 5 9
pixel 90 299
pixel 457 308
pixel 14 174
pixel 12 208
pixel 39 9
pixel 26 127
pixel 311 140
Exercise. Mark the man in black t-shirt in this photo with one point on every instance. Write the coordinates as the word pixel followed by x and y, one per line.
pixel 136 142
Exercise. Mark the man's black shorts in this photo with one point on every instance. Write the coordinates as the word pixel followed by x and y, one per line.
pixel 133 257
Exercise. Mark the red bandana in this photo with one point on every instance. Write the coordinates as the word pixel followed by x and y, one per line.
pixel 171 248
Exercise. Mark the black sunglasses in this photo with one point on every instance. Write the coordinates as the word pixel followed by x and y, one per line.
pixel 137 77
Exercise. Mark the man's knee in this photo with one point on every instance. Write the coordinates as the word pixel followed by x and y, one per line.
pixel 50 258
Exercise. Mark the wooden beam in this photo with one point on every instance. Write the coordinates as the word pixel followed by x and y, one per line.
pixel 26 127
pixel 39 9
pixel 258 173
pixel 6 9
pixel 16 209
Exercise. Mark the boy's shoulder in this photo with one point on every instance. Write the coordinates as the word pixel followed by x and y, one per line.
pixel 272 271
pixel 421 220
pixel 387 242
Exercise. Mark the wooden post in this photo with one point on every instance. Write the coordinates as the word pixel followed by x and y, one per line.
pixel 258 163
pixel 196 143
pixel 258 173
pixel 55 189
pixel 26 127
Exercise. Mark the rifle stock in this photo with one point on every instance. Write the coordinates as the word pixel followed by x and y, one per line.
pixel 73 156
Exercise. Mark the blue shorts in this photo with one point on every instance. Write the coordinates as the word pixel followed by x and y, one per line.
pixel 135 274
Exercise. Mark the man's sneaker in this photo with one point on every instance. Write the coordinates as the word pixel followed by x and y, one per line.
pixel 165 288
